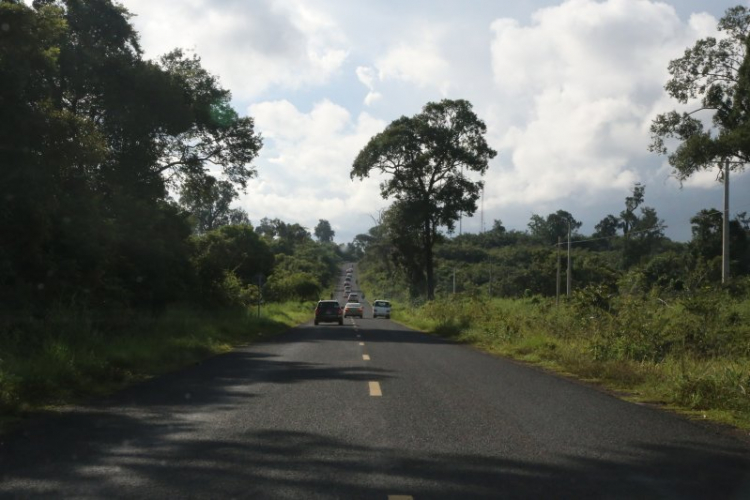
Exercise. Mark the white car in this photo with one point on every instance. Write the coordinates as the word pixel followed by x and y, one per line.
pixel 381 308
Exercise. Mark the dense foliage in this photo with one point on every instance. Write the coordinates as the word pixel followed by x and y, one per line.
pixel 121 254
pixel 119 175
pixel 429 159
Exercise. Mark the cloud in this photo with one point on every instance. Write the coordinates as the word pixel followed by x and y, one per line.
pixel 252 47
pixel 305 164
pixel 419 61
pixel 366 75
pixel 582 82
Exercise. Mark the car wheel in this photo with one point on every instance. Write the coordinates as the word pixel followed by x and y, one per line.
pixel 316 322
pixel 388 317
pixel 341 322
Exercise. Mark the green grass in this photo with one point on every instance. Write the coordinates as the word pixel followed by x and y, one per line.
pixel 70 356
pixel 688 354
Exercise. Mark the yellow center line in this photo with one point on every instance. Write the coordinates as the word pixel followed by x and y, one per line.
pixel 400 497
pixel 375 389
pixel 366 357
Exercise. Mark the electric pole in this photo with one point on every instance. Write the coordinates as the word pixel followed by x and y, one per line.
pixel 569 275
pixel 725 228
pixel 557 284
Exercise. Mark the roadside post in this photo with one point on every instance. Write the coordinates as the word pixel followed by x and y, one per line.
pixel 259 278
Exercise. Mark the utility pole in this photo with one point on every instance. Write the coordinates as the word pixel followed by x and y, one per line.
pixel 460 228
pixel 454 281
pixel 557 284
pixel 481 223
pixel 725 228
pixel 570 275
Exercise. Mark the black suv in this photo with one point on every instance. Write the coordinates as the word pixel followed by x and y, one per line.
pixel 329 311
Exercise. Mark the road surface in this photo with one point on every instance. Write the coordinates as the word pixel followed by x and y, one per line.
pixel 367 410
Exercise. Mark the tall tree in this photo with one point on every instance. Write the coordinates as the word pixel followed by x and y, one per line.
pixel 628 217
pixel 211 132
pixel 711 73
pixel 428 158
pixel 554 226
pixel 607 227
pixel 209 201
pixel 324 232
pixel 706 243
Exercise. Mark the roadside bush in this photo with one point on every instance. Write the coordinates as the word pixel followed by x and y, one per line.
pixel 297 286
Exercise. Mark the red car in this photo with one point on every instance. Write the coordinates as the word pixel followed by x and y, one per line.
pixel 354 309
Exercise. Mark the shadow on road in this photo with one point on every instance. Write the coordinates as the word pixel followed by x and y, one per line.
pixel 374 330
pixel 108 462
pixel 150 441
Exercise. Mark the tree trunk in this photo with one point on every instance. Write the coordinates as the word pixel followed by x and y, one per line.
pixel 430 274
pixel 427 240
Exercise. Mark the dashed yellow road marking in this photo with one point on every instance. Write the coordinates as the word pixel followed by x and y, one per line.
pixel 400 497
pixel 375 389
pixel 366 357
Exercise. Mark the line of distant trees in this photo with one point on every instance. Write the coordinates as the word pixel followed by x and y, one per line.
pixel 511 263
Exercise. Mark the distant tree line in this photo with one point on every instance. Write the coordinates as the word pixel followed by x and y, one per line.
pixel 504 263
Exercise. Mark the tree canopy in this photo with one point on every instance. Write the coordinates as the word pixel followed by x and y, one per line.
pixel 324 232
pixel 430 158
pixel 716 73
pixel 93 136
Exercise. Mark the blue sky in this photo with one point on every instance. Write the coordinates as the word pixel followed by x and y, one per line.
pixel 567 89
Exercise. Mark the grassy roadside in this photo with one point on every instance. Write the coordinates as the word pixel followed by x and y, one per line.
pixel 74 356
pixel 692 356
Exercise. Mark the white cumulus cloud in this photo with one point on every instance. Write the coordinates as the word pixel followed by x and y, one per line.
pixel 582 81
pixel 252 46
pixel 305 164
pixel 367 76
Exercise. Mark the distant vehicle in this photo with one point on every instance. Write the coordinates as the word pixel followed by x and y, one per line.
pixel 329 311
pixel 353 297
pixel 381 308
pixel 353 309
pixel 348 278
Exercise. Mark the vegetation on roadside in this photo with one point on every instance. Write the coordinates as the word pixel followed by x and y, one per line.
pixel 690 352
pixel 122 256
pixel 68 355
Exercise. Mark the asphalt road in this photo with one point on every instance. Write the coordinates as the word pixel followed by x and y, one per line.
pixel 367 410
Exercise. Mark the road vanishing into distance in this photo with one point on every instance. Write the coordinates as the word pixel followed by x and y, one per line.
pixel 368 410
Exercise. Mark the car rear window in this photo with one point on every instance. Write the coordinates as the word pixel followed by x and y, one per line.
pixel 382 303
